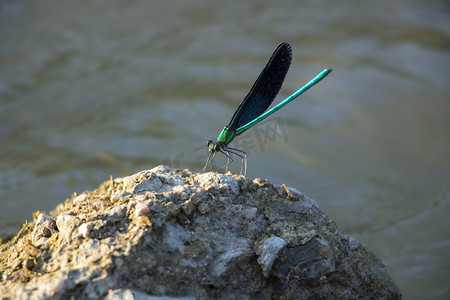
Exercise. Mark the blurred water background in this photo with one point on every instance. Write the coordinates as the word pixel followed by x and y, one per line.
pixel 93 89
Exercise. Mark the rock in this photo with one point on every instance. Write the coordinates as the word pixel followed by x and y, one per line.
pixel 66 224
pixel 45 227
pixel 269 252
pixel 135 295
pixel 237 251
pixel 172 234
pixel 81 198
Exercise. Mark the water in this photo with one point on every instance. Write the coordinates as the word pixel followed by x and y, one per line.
pixel 89 90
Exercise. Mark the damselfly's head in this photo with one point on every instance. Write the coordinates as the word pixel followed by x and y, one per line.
pixel 212 146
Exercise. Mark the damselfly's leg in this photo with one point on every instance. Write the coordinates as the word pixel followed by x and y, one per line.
pixel 243 157
pixel 229 158
pixel 208 160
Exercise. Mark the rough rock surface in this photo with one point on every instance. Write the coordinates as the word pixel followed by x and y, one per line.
pixel 172 234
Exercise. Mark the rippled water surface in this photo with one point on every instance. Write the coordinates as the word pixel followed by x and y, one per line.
pixel 93 89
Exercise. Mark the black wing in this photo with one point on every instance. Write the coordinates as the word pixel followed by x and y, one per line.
pixel 265 89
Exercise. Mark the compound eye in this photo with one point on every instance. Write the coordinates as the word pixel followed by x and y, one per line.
pixel 208 142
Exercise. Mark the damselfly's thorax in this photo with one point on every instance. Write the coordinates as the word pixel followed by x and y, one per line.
pixel 225 137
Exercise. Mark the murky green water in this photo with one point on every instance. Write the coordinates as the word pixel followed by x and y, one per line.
pixel 89 90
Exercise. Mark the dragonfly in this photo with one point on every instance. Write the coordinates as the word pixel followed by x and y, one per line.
pixel 252 109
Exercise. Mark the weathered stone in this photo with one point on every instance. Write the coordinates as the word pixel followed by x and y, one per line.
pixel 237 251
pixel 269 251
pixel 135 295
pixel 66 225
pixel 172 234
pixel 45 227
pixel 81 198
